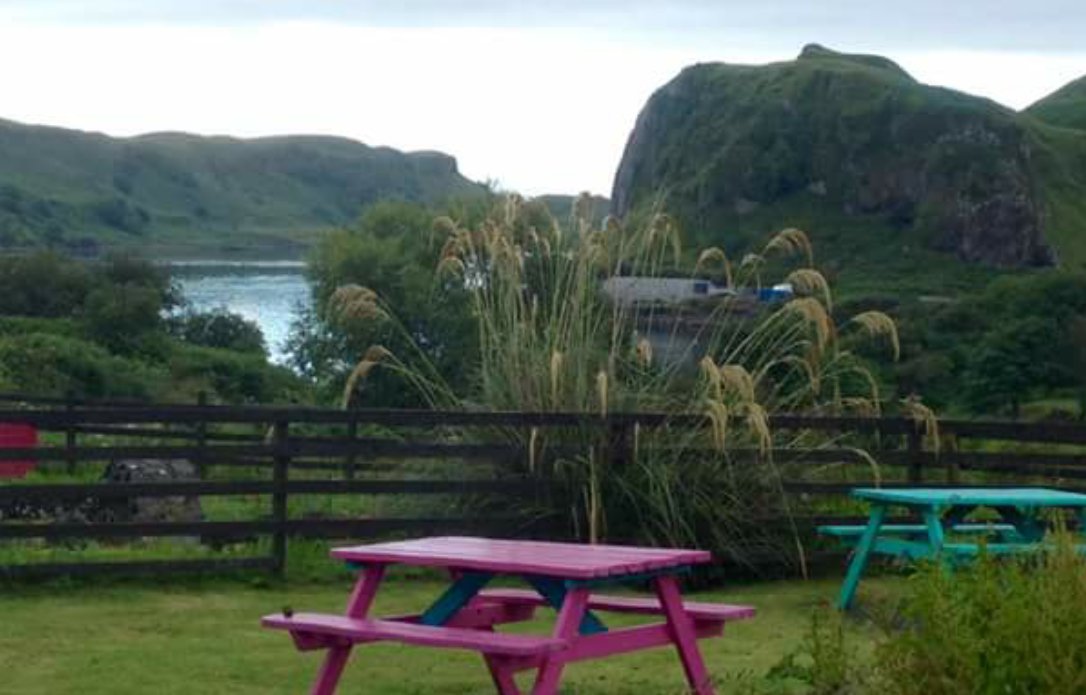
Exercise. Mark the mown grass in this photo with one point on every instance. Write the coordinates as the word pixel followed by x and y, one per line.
pixel 205 637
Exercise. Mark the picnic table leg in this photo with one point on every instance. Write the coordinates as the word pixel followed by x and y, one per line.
pixel 683 635
pixel 574 606
pixel 502 676
pixel 357 607
pixel 860 556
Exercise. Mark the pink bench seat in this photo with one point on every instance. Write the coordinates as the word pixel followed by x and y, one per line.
pixel 315 630
pixel 707 612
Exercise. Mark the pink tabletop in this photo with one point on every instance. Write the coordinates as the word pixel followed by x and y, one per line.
pixel 566 560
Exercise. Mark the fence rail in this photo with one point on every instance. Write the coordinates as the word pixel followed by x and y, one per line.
pixel 269 455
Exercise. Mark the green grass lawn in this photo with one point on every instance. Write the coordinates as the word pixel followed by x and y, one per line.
pixel 206 638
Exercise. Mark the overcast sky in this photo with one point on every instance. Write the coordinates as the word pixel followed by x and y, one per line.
pixel 539 96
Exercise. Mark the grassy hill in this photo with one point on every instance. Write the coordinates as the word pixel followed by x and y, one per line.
pixel 182 194
pixel 1066 107
pixel 897 182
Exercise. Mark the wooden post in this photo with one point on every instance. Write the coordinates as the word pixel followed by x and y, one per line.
pixel 619 443
pixel 70 434
pixel 281 439
pixel 949 444
pixel 201 438
pixel 915 444
pixel 352 434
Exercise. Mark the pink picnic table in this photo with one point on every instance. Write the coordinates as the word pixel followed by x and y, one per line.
pixel 561 575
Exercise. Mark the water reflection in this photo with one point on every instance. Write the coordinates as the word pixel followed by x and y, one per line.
pixel 268 292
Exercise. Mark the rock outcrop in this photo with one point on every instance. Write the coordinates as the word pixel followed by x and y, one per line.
pixel 847 136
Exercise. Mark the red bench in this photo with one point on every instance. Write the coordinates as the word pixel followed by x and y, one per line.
pixel 699 612
pixel 16 436
pixel 321 630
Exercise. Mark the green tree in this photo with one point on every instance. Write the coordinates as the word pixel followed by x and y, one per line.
pixel 124 318
pixel 393 251
pixel 1013 362
pixel 219 329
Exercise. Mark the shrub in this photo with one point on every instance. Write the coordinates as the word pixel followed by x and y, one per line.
pixel 1011 626
pixel 235 377
pixel 49 364
pixel 219 329
pixel 43 284
pixel 122 317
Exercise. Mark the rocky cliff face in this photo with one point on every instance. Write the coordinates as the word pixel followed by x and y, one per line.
pixel 847 136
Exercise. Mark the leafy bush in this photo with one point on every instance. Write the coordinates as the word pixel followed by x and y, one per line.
pixel 43 284
pixel 824 662
pixel 219 329
pixel 1010 626
pixel 49 364
pixel 124 317
pixel 235 377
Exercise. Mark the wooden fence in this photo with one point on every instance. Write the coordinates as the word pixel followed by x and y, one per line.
pixel 477 461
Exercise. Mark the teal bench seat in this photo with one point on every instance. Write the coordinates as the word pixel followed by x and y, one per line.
pixel 854 531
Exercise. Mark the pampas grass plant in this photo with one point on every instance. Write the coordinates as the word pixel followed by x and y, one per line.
pixel 550 339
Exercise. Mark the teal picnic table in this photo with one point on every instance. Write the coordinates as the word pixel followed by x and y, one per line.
pixel 945 532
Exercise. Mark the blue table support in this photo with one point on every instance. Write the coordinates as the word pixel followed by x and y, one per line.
pixel 466 586
pixel 860 557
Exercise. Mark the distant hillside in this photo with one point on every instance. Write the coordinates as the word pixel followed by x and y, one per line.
pixel 184 193
pixel 1066 107
pixel 561 206
pixel 887 174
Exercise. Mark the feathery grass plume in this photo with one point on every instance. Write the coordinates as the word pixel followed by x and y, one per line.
pixel 735 377
pixel 864 407
pixel 923 416
pixel 718 416
pixel 445 226
pixel 582 209
pixel 872 464
pixel 877 324
pixel 556 376
pixel 644 352
pixel 808 281
pixel 791 242
pixel 352 303
pixel 815 316
pixel 601 390
pixel 751 261
pixel 714 255
pixel 663 231
pixel 533 440
pixel 712 376
pixel 757 420
pixel 513 205
pixel 451 266
pixel 373 357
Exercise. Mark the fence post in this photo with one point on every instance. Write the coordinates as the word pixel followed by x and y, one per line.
pixel 70 434
pixel 352 434
pixel 619 443
pixel 201 438
pixel 915 446
pixel 281 438
pixel 949 445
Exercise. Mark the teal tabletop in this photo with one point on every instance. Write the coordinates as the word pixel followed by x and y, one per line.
pixel 989 497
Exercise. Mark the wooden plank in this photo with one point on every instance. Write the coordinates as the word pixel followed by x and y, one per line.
pixel 421 418
pixel 322 528
pixel 132 568
pixel 1049 432
pixel 291 448
pixel 368 630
